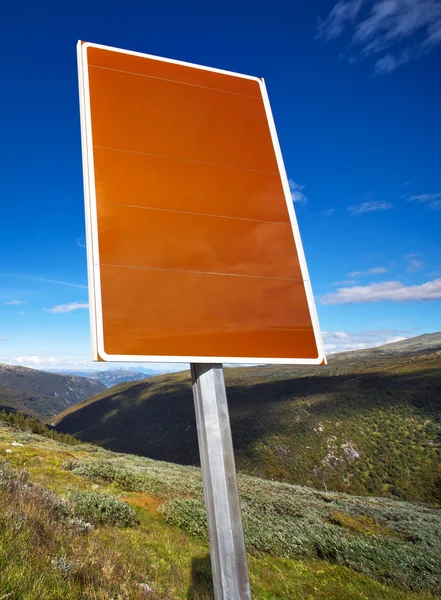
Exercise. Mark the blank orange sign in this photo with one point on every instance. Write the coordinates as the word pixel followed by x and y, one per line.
pixel 194 253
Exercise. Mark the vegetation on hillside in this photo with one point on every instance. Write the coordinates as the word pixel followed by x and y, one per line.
pixel 370 426
pixel 116 526
pixel 20 421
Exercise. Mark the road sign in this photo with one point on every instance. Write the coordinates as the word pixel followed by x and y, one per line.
pixel 194 253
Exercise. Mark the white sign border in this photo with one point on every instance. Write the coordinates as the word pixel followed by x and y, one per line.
pixel 93 262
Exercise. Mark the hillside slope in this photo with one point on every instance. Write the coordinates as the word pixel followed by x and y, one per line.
pixel 364 425
pixel 120 526
pixel 40 393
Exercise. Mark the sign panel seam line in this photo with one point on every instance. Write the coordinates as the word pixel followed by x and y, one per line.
pixel 204 87
pixel 188 212
pixel 172 61
pixel 101 264
pixel 201 162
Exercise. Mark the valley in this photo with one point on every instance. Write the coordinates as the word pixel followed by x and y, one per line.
pixel 369 423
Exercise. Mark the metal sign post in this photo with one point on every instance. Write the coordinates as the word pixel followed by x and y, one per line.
pixel 225 531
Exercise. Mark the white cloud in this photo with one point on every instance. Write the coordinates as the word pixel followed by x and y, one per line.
pixel 425 197
pixel 81 242
pixel 393 291
pixel 47 362
pixel 66 308
pixel 344 13
pixel 373 271
pixel 399 30
pixel 61 362
pixel 413 262
pixel 22 312
pixel 387 64
pixel 15 303
pixel 433 201
pixel 364 207
pixel 345 282
pixel 341 341
pixel 296 191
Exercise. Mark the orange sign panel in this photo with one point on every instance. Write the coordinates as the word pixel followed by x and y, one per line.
pixel 194 252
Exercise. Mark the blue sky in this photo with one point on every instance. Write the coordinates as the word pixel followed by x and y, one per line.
pixel 355 90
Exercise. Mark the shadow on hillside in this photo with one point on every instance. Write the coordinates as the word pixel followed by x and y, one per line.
pixel 158 421
pixel 201 587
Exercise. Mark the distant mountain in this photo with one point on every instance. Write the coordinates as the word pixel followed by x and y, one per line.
pixel 368 423
pixel 111 377
pixel 40 393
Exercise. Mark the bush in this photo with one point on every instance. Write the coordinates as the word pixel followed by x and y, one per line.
pixel 190 515
pixel 33 425
pixel 103 509
pixel 100 470
pixel 395 542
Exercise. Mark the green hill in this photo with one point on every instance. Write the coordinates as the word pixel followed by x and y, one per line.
pixel 366 424
pixel 42 394
pixel 118 526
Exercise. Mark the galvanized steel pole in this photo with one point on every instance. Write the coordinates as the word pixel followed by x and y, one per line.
pixel 227 546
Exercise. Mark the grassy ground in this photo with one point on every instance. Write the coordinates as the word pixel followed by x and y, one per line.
pixel 301 543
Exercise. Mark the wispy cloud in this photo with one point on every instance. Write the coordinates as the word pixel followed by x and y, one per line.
pixel 395 30
pixel 15 302
pixel 329 212
pixel 433 201
pixel 390 62
pixel 342 341
pixel 365 207
pixel 44 280
pixel 2 339
pixel 373 271
pixel 393 291
pixel 22 312
pixel 345 282
pixel 296 191
pixel 414 263
pixel 81 242
pixel 66 308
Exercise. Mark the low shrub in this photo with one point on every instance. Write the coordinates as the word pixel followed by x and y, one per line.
pixel 103 509
pixel 98 470
pixel 394 541
pixel 189 515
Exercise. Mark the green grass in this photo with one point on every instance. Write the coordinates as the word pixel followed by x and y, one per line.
pixel 301 543
pixel 365 426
